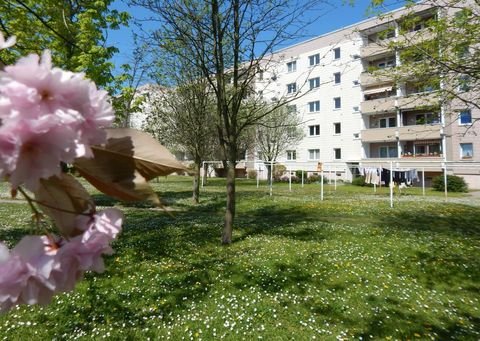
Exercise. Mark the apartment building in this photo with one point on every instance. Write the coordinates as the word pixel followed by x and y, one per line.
pixel 356 115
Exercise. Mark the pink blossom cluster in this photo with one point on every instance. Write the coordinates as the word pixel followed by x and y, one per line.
pixel 47 115
pixel 39 266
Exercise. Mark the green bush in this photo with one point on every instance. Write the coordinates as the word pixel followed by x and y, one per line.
pixel 454 183
pixel 278 171
pixel 359 181
pixel 315 178
pixel 298 174
pixel 252 174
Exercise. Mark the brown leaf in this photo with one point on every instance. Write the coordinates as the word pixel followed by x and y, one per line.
pixel 63 198
pixel 151 159
pixel 122 167
pixel 123 183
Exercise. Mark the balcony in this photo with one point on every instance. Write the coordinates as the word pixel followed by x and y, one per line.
pixel 415 37
pixel 415 101
pixel 378 135
pixel 369 79
pixel 374 49
pixel 419 132
pixel 379 105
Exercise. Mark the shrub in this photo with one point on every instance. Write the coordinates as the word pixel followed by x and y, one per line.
pixel 286 178
pixel 454 183
pixel 359 181
pixel 315 178
pixel 252 174
pixel 278 171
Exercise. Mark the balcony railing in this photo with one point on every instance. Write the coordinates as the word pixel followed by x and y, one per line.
pixel 414 101
pixel 370 79
pixel 378 105
pixel 378 135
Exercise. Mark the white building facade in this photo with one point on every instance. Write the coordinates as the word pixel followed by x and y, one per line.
pixel 352 118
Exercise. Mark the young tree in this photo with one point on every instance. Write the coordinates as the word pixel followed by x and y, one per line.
pixel 275 133
pixel 183 118
pixel 229 40
pixel 75 32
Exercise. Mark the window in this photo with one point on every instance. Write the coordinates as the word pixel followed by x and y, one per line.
pixel 464 82
pixel 291 88
pixel 337 78
pixel 337 102
pixel 314 130
pixel 292 66
pixel 466 150
pixel 292 108
pixel 336 53
pixel 428 149
pixel 465 117
pixel 314 106
pixel 388 151
pixel 260 75
pixel 385 63
pixel 338 153
pixel 337 127
pixel 314 154
pixel 427 118
pixel 314 60
pixel 314 82
pixel 291 155
pixel 387 34
pixel 388 122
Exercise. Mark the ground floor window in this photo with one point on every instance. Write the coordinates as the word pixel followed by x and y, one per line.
pixel 338 153
pixel 388 151
pixel 291 155
pixel 314 154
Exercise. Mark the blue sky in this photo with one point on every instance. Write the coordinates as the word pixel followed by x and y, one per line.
pixel 336 17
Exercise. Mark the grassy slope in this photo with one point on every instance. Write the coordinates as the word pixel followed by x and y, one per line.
pixel 347 267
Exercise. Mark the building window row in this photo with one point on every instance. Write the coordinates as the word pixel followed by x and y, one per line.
pixel 313 60
pixel 314 130
pixel 314 154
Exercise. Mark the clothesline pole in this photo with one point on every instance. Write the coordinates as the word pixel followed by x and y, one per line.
pixel 271 177
pixel 321 185
pixel 391 184
pixel 335 178
pixel 302 178
pixel 423 181
pixel 258 177
pixel 290 179
pixel 445 180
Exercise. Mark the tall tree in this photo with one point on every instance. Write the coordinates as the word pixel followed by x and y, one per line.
pixel 275 133
pixel 229 40
pixel 75 32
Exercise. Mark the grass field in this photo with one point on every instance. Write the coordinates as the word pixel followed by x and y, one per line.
pixel 348 267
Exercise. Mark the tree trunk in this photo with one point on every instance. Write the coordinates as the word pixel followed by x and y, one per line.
pixel 196 184
pixel 205 173
pixel 269 173
pixel 230 211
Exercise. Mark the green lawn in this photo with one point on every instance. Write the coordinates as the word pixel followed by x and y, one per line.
pixel 348 267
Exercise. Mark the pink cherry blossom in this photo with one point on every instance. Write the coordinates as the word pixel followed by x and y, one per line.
pixel 40 266
pixel 47 115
